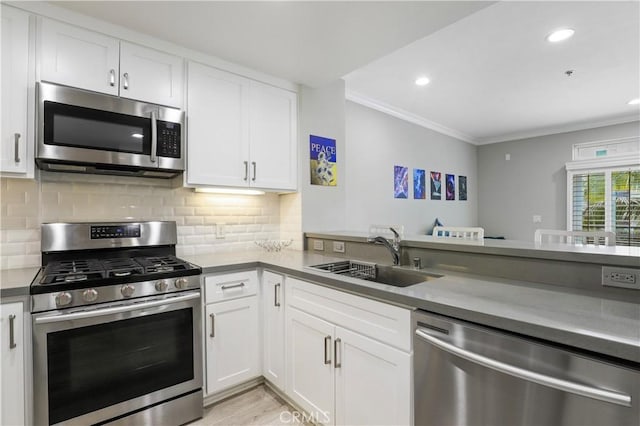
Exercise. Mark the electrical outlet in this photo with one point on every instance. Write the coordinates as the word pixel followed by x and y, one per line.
pixel 338 246
pixel 537 218
pixel 613 276
pixel 318 245
pixel 220 230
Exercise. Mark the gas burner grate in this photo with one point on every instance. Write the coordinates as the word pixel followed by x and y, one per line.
pixel 72 271
pixel 122 267
pixel 161 264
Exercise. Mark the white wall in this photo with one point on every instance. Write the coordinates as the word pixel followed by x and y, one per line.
pixel 533 181
pixel 322 114
pixel 375 142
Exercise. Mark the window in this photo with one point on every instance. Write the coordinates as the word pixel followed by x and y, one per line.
pixel 604 191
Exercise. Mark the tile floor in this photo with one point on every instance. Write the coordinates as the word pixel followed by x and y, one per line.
pixel 257 406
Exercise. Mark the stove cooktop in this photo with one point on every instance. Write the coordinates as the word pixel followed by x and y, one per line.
pixel 83 273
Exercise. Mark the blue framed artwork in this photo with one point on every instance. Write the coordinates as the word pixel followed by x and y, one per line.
pixel 436 185
pixel 419 192
pixel 462 188
pixel 450 186
pixel 323 161
pixel 400 182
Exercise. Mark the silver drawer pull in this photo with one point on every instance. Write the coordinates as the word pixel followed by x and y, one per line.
pixel 112 77
pixel 12 337
pixel 125 81
pixel 228 287
pixel 253 163
pixel 327 353
pixel 246 170
pixel 335 352
pixel 16 148
pixel 213 325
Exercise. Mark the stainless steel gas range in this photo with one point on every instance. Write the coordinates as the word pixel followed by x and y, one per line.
pixel 116 326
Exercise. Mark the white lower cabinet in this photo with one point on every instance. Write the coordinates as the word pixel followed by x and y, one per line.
pixel 231 332
pixel 273 367
pixel 12 403
pixel 338 376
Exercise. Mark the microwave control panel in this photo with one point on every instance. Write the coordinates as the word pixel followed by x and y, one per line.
pixel 168 139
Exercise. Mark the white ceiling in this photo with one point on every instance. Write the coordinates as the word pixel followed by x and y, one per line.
pixel 493 75
pixel 307 42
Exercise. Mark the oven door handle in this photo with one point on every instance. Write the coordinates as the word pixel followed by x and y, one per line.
pixel 115 310
pixel 528 375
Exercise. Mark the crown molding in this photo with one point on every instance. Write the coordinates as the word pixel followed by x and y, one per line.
pixel 352 96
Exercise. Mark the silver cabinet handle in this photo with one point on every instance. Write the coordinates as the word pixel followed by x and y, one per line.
pixel 213 325
pixel 125 81
pixel 227 287
pixel 16 147
pixel 327 343
pixel 112 77
pixel 335 352
pixel 12 337
pixel 276 295
pixel 154 136
pixel 253 163
pixel 90 313
pixel 531 376
pixel 246 170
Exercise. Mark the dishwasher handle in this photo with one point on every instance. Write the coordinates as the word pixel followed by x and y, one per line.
pixel 531 376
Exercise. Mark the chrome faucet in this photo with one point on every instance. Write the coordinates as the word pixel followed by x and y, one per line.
pixel 393 246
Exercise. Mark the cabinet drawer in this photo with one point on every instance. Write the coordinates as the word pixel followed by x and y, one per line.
pixel 386 323
pixel 230 286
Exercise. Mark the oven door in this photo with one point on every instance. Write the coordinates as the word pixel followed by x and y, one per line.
pixel 94 364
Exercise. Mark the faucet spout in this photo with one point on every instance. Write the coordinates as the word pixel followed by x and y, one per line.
pixel 393 246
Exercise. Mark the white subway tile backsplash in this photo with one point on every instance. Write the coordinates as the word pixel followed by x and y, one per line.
pixel 25 204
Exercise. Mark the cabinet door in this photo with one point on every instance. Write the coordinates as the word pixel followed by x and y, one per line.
pixel 273 137
pixel 151 76
pixel 310 378
pixel 218 128
pixel 232 343
pixel 15 68
pixel 373 382
pixel 273 322
pixel 78 58
pixel 12 363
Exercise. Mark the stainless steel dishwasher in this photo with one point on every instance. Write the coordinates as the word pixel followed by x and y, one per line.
pixel 465 374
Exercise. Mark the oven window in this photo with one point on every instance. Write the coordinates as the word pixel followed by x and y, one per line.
pixel 79 127
pixel 93 367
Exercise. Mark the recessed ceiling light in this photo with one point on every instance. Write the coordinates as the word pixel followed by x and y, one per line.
pixel 635 101
pixel 422 81
pixel 560 35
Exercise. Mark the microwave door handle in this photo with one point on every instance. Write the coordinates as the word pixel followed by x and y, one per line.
pixel 154 136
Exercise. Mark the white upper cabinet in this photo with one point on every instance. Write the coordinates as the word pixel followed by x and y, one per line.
pixel 15 89
pixel 241 133
pixel 81 58
pixel 151 76
pixel 273 132
pixel 217 127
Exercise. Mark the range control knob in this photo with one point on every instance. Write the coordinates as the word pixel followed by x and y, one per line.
pixel 181 283
pixel 127 290
pixel 162 285
pixel 90 295
pixel 63 298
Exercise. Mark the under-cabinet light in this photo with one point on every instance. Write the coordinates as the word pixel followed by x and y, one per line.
pixel 233 191
pixel 635 101
pixel 422 81
pixel 560 35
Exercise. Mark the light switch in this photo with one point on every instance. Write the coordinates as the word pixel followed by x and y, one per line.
pixel 537 218
pixel 318 245
pixel 338 246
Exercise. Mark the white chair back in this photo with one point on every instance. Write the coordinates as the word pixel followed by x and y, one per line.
pixel 597 238
pixel 460 232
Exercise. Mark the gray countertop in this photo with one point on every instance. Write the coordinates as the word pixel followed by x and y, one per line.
pixel 610 255
pixel 557 314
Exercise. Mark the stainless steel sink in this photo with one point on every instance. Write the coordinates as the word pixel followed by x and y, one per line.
pixel 383 274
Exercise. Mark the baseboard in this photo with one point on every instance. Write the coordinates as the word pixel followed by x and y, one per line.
pixel 231 392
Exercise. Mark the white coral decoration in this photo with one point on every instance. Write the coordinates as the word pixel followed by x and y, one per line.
pixel 273 245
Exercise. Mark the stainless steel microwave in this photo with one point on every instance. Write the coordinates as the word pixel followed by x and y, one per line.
pixel 87 132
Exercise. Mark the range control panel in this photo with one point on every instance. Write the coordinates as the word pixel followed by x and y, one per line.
pixel 99 232
pixel 168 139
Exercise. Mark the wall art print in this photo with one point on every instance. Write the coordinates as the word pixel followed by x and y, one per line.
pixel 419 184
pixel 450 187
pixel 400 182
pixel 436 185
pixel 323 161
pixel 462 188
